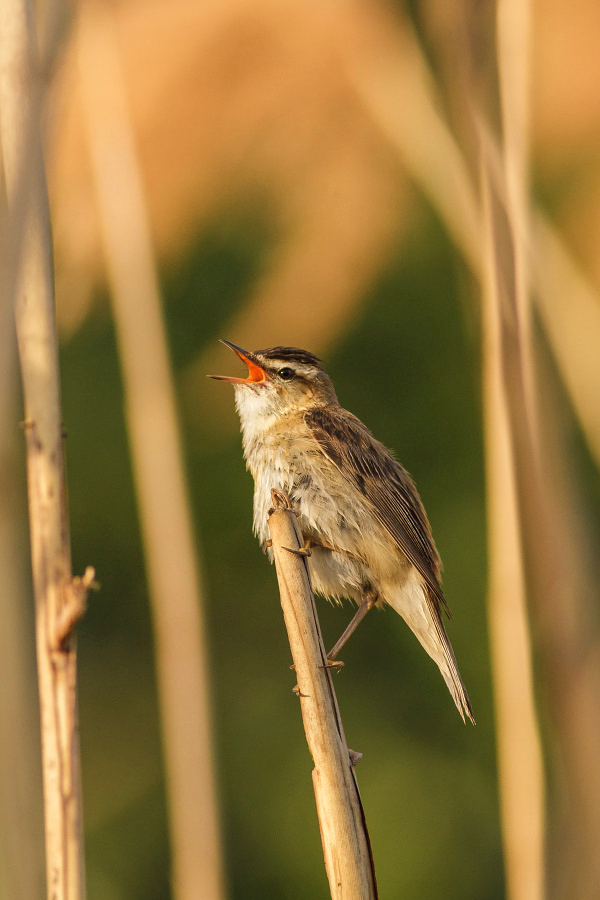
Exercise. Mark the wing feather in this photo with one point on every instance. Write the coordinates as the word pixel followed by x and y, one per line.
pixel 388 489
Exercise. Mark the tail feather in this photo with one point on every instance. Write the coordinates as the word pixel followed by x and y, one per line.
pixel 447 664
pixel 420 609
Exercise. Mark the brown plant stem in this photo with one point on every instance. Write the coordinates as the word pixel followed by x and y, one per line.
pixel 557 580
pixel 520 762
pixel 21 807
pixel 59 599
pixel 344 834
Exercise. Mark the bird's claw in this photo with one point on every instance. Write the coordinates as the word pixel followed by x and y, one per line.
pixel 336 664
pixel 280 500
pixel 266 546
pixel 301 551
pixel 298 692
pixel 296 689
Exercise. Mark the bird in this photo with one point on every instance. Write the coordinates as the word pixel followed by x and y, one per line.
pixel 366 533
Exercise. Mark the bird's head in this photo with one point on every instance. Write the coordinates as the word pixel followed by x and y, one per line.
pixel 280 381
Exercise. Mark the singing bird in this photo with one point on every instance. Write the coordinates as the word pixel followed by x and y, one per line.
pixel 365 529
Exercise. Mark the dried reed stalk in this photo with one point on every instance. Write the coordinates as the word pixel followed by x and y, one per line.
pixel 60 599
pixel 520 758
pixel 513 27
pixel 346 847
pixel 558 587
pixel 21 805
pixel 520 761
pixel 558 578
pixel 174 579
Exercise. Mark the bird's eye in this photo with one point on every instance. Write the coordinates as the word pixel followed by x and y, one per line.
pixel 286 374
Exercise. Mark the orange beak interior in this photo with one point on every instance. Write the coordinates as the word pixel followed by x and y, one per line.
pixel 256 374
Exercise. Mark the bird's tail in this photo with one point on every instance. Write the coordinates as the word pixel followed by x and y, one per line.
pixel 447 665
pixel 431 633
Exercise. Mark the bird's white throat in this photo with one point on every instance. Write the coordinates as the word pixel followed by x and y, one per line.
pixel 258 408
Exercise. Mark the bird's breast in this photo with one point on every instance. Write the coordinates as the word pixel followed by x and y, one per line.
pixel 331 510
pixel 277 461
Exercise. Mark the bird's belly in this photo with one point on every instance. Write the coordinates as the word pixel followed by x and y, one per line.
pixel 335 575
pixel 331 512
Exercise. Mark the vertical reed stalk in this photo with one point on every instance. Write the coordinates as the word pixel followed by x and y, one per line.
pixel 520 763
pixel 59 598
pixel 513 27
pixel 344 834
pixel 520 760
pixel 174 581
pixel 558 589
pixel 21 805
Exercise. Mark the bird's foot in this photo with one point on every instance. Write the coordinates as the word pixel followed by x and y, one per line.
pixel 335 664
pixel 301 551
pixel 295 689
pixel 266 546
pixel 281 500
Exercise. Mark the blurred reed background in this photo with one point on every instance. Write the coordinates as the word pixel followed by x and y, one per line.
pixel 412 192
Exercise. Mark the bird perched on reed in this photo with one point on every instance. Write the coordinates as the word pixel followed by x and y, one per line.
pixel 366 532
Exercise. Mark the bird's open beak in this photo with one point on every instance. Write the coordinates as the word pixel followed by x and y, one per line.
pixel 256 374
